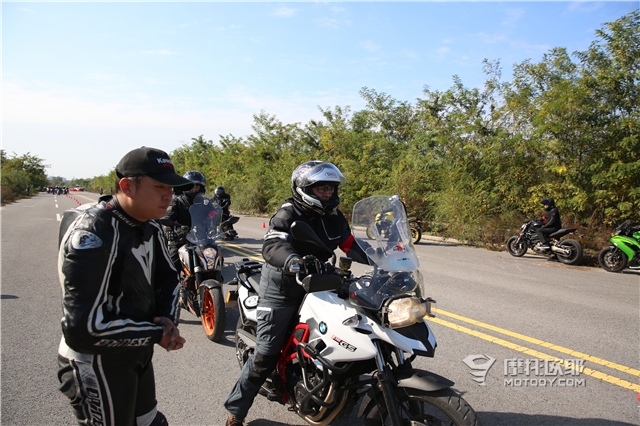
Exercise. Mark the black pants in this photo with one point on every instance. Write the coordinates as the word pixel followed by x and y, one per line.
pixel 542 234
pixel 114 389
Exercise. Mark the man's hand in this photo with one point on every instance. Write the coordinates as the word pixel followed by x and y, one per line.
pixel 171 339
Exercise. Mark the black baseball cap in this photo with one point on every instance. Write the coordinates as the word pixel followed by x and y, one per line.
pixel 154 163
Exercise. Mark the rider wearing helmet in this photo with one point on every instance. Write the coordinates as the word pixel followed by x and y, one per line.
pixel 177 221
pixel 552 222
pixel 315 200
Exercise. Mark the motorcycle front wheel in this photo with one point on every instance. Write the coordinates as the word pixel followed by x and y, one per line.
pixel 516 247
pixel 440 408
pixel 612 259
pixel 575 252
pixel 370 233
pixel 416 235
pixel 213 312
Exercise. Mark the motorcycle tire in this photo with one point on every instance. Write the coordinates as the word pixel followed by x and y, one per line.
pixel 516 248
pixel 213 312
pixel 442 407
pixel 240 345
pixel 416 235
pixel 612 259
pixel 370 233
pixel 575 255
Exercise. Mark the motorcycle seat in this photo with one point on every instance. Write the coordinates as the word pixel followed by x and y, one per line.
pixel 562 231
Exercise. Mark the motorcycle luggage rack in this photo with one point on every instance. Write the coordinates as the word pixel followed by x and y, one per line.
pixel 247 266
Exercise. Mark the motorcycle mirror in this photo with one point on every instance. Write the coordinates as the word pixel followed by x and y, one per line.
pixel 301 231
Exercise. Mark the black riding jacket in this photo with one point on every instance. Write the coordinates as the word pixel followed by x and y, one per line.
pixel 333 230
pixel 116 276
pixel 552 219
pixel 178 216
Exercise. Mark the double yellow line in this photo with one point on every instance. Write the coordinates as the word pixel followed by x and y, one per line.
pixel 541 355
pixel 507 344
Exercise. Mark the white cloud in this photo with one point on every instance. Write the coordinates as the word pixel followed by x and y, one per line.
pixel 513 17
pixel 98 127
pixel 284 12
pixel 370 46
pixel 159 52
pixel 325 21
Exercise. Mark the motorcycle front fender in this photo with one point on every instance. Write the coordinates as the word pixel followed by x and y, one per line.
pixel 421 380
pixel 626 244
pixel 207 285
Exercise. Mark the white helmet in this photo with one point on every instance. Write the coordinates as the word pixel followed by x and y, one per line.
pixel 313 173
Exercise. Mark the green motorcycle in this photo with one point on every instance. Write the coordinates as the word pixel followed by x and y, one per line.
pixel 625 251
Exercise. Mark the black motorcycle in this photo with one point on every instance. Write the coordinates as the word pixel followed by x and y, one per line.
pixel 568 251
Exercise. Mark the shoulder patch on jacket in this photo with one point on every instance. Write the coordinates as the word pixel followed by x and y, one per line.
pixel 83 240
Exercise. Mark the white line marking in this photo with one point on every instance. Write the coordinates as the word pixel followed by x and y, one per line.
pixel 56 206
pixel 58 217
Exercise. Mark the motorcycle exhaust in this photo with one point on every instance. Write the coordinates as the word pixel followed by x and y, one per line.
pixel 559 250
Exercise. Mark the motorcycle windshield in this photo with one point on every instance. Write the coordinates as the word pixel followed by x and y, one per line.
pixel 380 227
pixel 206 216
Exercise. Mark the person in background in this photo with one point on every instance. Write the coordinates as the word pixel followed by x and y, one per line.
pixel 314 189
pixel 224 200
pixel 177 220
pixel 552 223
pixel 120 294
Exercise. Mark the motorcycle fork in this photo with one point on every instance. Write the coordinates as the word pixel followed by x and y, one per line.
pixel 385 380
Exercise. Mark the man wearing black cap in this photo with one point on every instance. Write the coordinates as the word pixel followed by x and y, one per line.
pixel 120 292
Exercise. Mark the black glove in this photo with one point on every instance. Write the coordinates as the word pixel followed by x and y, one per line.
pixel 293 265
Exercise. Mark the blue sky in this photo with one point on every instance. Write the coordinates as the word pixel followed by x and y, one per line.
pixel 84 83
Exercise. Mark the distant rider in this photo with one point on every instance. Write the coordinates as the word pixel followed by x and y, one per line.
pixel 177 221
pixel 552 223
pixel 224 200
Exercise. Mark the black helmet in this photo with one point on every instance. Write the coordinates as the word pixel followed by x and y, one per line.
pixel 312 173
pixel 196 177
pixel 548 203
pixel 220 190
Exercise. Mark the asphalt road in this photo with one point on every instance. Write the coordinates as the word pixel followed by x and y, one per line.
pixel 516 311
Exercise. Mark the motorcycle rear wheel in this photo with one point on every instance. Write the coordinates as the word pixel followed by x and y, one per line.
pixel 612 259
pixel 516 247
pixel 440 408
pixel 213 312
pixel 575 255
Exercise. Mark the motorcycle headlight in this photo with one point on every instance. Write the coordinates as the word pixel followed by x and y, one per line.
pixel 210 257
pixel 405 311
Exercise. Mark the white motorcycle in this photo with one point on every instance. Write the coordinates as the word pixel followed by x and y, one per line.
pixel 357 336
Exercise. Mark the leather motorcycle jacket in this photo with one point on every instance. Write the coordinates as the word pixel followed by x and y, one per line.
pixel 116 276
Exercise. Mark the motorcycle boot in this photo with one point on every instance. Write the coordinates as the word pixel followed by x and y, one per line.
pixel 233 421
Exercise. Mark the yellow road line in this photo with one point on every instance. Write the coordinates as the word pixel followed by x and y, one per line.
pixel 498 341
pixel 251 254
pixel 542 343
